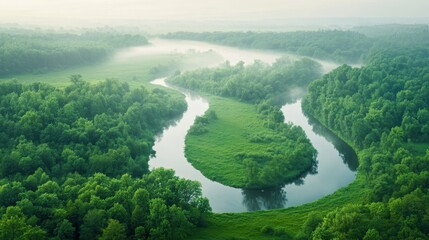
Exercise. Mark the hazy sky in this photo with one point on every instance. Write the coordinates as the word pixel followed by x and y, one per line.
pixel 69 10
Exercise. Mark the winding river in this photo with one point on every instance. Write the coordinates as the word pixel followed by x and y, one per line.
pixel 337 162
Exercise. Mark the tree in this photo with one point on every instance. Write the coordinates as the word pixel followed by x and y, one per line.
pixel 93 222
pixel 141 208
pixel 13 226
pixel 65 230
pixel 114 231
pixel 30 125
pixel 159 224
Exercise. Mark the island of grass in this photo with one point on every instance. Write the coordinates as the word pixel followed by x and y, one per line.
pixel 242 140
pixel 233 144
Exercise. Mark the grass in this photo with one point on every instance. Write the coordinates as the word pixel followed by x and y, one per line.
pixel 136 71
pixel 232 115
pixel 225 137
pixel 248 225
pixel 98 72
pixel 214 153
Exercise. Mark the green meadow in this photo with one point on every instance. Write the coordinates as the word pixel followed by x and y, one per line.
pixel 286 222
pixel 136 71
pixel 213 153
pixel 216 153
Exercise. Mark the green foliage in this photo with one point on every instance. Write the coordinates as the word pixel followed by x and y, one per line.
pixel 380 109
pixel 64 159
pixel 114 231
pixel 399 218
pixel 15 225
pixel 340 46
pixel 397 35
pixel 248 225
pixel 363 104
pixel 104 128
pixel 27 51
pixel 100 207
pixel 200 123
pixel 255 83
pixel 244 145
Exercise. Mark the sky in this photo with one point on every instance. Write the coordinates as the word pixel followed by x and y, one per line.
pixel 59 11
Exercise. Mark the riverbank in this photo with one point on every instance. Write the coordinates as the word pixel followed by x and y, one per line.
pixel 290 221
pixel 237 134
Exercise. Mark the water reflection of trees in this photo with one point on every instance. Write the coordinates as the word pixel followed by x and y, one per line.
pixel 346 152
pixel 264 199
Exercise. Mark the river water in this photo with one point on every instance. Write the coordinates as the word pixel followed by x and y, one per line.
pixel 336 166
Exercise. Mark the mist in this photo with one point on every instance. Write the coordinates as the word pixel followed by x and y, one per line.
pixel 221 14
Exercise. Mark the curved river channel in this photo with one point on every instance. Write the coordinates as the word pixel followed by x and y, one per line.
pixel 337 162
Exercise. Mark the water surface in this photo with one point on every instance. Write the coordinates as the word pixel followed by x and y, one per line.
pixel 336 166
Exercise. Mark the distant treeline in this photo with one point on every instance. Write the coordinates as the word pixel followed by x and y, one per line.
pixel 339 46
pixel 32 52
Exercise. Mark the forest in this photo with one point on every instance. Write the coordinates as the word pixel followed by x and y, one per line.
pixel 27 51
pixel 338 46
pixel 74 159
pixel 351 47
pixel 74 164
pixel 381 109
pixel 285 153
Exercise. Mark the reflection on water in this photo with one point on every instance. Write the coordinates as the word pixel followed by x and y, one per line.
pixel 329 174
pixel 272 198
pixel 346 152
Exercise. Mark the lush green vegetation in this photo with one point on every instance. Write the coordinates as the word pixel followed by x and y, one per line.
pixel 73 160
pixel 226 148
pixel 397 35
pixel 104 128
pixel 380 109
pixel 279 223
pixel 74 164
pixel 339 46
pixel 33 52
pixel 248 144
pixel 136 71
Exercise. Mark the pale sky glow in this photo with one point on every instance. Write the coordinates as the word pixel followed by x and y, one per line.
pixel 194 10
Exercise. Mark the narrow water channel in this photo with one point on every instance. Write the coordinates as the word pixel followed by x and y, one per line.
pixel 336 166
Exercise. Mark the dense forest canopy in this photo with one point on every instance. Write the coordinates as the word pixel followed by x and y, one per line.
pixel 255 83
pixel 84 128
pixel 33 52
pixel 74 164
pixel 363 103
pixel 267 87
pixel 382 109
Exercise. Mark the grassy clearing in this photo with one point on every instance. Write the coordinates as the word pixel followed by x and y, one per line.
pixel 215 152
pixel 133 72
pixel 136 71
pixel 248 225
